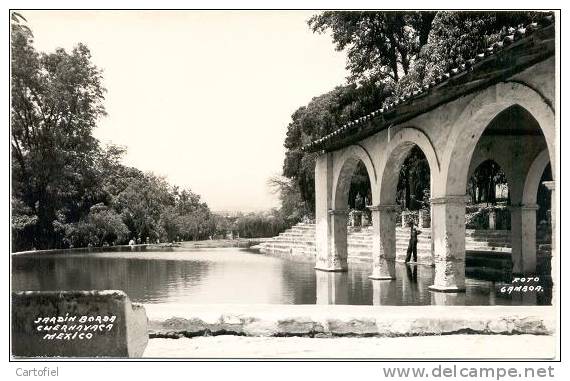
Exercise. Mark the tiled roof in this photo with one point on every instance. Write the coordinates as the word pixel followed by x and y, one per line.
pixel 514 34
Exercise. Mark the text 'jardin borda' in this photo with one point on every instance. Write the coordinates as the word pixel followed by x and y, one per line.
pixel 74 327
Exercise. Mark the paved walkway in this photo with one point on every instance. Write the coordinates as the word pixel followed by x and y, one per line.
pixel 431 347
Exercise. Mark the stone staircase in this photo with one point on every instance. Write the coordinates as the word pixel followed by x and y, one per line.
pixel 299 241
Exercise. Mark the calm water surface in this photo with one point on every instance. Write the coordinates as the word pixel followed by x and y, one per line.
pixel 238 276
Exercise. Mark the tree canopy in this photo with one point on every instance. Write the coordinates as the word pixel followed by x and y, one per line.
pixel 380 46
pixel 389 53
pixel 68 189
pixel 56 102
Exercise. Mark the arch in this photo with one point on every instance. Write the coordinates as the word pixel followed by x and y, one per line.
pixel 480 159
pixel 534 174
pixel 475 118
pixel 396 152
pixel 344 170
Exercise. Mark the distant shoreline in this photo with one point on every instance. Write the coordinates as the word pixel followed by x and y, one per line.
pixel 204 244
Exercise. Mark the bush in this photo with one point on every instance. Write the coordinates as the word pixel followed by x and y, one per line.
pixel 102 226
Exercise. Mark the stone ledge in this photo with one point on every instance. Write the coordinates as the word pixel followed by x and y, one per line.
pixel 80 324
pixel 184 320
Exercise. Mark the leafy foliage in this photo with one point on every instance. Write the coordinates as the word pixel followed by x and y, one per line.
pixel 56 101
pixel 250 225
pixel 414 182
pixel 389 53
pixel 254 225
pixel 68 190
pixel 292 206
pixel 102 226
pixel 381 46
pixel 482 184
pixel 455 37
pixel 321 116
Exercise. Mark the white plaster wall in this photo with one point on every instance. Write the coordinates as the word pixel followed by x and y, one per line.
pixel 449 134
pixel 451 137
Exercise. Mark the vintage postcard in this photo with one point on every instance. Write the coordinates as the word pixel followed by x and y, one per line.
pixel 286 185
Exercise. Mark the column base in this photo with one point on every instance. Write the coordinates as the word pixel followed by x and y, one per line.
pixel 386 277
pixel 331 269
pixel 446 288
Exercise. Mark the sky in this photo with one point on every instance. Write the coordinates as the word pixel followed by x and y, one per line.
pixel 201 97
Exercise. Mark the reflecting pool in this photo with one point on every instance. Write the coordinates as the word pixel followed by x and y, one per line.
pixel 232 275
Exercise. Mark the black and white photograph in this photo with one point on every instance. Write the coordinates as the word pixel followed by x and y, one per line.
pixel 289 185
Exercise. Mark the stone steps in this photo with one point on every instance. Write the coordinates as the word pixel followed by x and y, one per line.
pixel 300 240
pixel 400 245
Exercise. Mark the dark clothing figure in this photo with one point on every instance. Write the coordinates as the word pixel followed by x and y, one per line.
pixel 412 272
pixel 413 244
pixel 358 202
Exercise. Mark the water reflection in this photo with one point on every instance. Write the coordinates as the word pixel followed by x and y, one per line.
pixel 332 288
pixel 448 298
pixel 238 276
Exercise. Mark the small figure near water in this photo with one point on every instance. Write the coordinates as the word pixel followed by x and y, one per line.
pixel 413 244
pixel 132 242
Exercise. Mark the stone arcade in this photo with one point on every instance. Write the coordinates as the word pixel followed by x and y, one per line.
pixel 498 106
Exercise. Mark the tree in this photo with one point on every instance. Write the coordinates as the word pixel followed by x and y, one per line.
pixel 56 102
pixel 321 116
pixel 293 208
pixel 141 203
pixel 389 53
pixel 67 189
pixel 456 37
pixel 483 182
pixel 262 224
pixel 195 220
pixel 102 226
pixel 414 180
pixel 401 50
pixel 381 46
pixel 17 25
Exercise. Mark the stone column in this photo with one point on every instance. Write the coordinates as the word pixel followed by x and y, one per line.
pixel 336 260
pixel 523 238
pixel 493 219
pixel 384 241
pixel 448 235
pixel 323 203
pixel 551 185
pixel 424 218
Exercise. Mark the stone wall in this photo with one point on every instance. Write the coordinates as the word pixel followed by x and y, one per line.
pixel 77 324
pixel 339 320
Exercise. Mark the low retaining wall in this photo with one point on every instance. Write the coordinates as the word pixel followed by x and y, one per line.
pixel 103 249
pixel 77 324
pixel 338 320
pixel 205 244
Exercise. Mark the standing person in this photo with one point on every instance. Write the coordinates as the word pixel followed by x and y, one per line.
pixel 358 202
pixel 413 244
